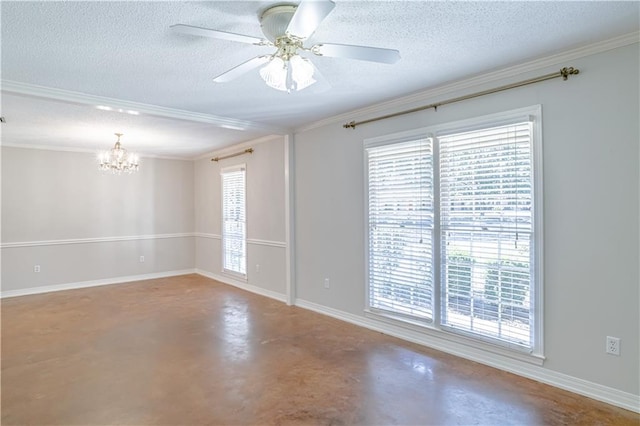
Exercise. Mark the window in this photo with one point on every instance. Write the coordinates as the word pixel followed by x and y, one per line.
pixel 234 224
pixel 452 228
pixel 401 228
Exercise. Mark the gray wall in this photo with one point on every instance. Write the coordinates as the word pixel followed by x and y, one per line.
pixel 265 216
pixel 78 224
pixel 81 225
pixel 591 190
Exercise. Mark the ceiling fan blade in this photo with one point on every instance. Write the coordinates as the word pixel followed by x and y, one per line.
pixel 308 16
pixel 321 85
pixel 206 32
pixel 244 67
pixel 363 53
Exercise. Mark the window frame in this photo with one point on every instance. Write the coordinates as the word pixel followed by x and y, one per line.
pixel 230 272
pixel 397 138
pixel 535 354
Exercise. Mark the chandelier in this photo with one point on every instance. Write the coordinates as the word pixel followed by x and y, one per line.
pixel 118 160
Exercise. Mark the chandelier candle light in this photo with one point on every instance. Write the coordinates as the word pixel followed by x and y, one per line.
pixel 118 160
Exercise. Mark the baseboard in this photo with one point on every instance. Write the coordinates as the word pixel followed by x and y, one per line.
pixel 242 285
pixel 93 283
pixel 592 390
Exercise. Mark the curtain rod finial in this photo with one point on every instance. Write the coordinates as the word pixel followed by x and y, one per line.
pixel 567 71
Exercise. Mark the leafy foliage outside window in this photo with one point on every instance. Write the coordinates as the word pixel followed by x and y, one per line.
pixel 506 287
pixel 459 293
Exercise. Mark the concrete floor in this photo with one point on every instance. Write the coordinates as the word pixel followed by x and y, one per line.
pixel 189 351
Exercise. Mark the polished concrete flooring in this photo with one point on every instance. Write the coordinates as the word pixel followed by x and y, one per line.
pixel 191 351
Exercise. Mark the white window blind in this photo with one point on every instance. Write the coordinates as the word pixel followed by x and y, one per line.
pixel 454 228
pixel 234 226
pixel 486 230
pixel 400 221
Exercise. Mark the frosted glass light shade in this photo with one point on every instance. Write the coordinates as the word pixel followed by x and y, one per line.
pixel 275 74
pixel 301 72
pixel 294 74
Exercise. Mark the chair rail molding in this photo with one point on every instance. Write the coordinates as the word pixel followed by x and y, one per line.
pixel 94 240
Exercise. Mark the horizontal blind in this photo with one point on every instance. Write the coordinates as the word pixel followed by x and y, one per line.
pixel 486 203
pixel 400 220
pixel 234 229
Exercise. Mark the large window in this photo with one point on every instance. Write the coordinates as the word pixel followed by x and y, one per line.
pixel 401 228
pixel 452 228
pixel 234 224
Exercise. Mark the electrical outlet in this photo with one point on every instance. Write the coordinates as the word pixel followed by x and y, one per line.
pixel 36 268
pixel 326 283
pixel 613 345
pixel 141 259
pixel 257 268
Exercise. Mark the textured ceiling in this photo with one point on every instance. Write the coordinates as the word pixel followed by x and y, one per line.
pixel 124 51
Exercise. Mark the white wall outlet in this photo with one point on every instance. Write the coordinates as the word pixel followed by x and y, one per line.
pixel 326 283
pixel 257 268
pixel 613 345
pixel 36 268
pixel 141 259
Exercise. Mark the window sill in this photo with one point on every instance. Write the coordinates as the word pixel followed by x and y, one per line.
pixel 448 341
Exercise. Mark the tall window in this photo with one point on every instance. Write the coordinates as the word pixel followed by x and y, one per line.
pixel 401 228
pixel 234 224
pixel 459 254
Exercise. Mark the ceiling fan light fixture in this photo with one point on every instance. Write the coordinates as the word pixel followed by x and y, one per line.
pixel 275 20
pixel 275 74
pixel 293 75
pixel 287 27
pixel 301 72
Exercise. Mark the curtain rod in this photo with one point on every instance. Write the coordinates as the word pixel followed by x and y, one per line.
pixel 246 151
pixel 564 73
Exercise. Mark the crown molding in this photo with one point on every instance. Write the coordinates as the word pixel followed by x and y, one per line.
pixel 62 95
pixel 218 152
pixel 241 145
pixel 86 151
pixel 490 77
pixel 48 148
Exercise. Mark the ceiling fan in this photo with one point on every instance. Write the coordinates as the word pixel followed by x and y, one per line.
pixel 287 27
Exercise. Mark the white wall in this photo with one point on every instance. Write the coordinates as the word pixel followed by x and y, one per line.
pixel 79 224
pixel 591 187
pixel 265 216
